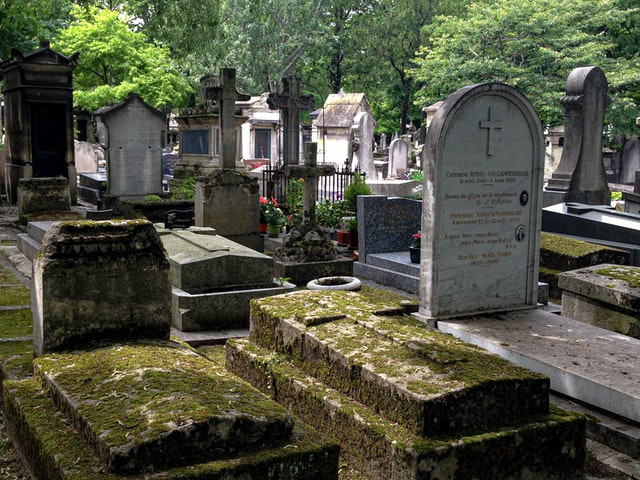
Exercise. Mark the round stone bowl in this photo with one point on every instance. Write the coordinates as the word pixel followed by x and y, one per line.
pixel 335 283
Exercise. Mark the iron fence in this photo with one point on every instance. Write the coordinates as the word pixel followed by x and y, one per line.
pixel 331 187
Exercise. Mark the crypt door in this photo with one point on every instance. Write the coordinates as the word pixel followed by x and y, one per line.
pixel 262 143
pixel 48 139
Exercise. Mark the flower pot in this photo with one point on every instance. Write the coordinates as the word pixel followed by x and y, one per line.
pixel 273 230
pixel 343 236
pixel 263 227
pixel 353 239
pixel 414 254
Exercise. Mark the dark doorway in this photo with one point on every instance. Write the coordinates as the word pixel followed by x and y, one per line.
pixel 49 139
pixel 262 143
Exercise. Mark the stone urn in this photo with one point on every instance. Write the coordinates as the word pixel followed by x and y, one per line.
pixel 335 283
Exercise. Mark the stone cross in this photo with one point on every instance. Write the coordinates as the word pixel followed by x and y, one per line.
pixel 290 102
pixel 310 173
pixel 490 125
pixel 222 89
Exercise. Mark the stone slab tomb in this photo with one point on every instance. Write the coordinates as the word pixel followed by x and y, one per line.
pixel 94 281
pixel 605 295
pixel 213 279
pixel 404 401
pixel 155 409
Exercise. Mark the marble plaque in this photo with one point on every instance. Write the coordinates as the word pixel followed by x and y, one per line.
pixel 481 209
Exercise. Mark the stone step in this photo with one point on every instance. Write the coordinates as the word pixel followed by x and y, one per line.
pixel 428 382
pixel 384 276
pixel 544 447
pixel 396 261
pixel 54 449
pixel 158 405
pixel 584 362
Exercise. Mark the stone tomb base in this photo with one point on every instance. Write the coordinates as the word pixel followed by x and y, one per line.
pixel 603 295
pixel 405 402
pixel 155 410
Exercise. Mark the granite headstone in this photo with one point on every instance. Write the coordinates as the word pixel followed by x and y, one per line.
pixel 483 166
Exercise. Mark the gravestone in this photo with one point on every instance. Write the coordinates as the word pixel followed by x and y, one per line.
pixel 398 157
pixel 86 158
pixel 37 90
pixel 483 165
pixel 290 101
pixel 133 141
pixel 630 160
pixel 363 127
pixel 97 281
pixel 580 175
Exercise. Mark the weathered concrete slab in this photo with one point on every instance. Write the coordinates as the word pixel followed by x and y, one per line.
pixel 584 362
pixel 426 381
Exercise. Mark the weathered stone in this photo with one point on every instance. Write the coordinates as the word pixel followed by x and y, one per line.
pixel 605 295
pixel 422 379
pixel 374 367
pixel 99 281
pixel 156 410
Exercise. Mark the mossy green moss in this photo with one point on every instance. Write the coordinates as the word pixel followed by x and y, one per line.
pixel 629 275
pixel 16 295
pixel 16 323
pixel 144 388
pixel 567 246
pixel 16 358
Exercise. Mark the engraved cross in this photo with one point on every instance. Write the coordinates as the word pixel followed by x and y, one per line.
pixel 490 126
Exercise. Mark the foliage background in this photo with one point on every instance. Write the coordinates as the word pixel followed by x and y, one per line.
pixel 404 54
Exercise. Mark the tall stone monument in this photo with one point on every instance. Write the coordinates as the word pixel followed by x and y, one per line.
pixel 580 176
pixel 227 199
pixel 363 127
pixel 483 162
pixel 38 108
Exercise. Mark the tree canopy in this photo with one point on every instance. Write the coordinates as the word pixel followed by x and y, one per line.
pixel 403 54
pixel 116 61
pixel 533 46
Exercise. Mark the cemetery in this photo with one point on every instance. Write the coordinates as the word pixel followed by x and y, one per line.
pixel 488 328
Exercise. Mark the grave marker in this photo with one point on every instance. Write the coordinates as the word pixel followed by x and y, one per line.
pixel 310 173
pixel 480 221
pixel 580 175
pixel 290 101
pixel 222 89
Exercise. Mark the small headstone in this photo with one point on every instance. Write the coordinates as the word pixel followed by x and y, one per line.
pixel 398 157
pixel 134 147
pixel 630 160
pixel 480 221
pixel 178 219
pixel 99 281
pixel 86 158
pixel 580 176
pixel 363 127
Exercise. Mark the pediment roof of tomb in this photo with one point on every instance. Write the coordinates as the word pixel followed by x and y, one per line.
pixel 340 109
pixel 105 112
pixel 42 56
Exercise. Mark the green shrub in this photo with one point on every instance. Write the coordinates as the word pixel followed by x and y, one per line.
pixel 329 214
pixel 185 190
pixel 355 188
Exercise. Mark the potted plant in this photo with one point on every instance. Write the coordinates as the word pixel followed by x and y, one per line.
pixel 273 215
pixel 414 248
pixel 330 214
pixel 355 188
